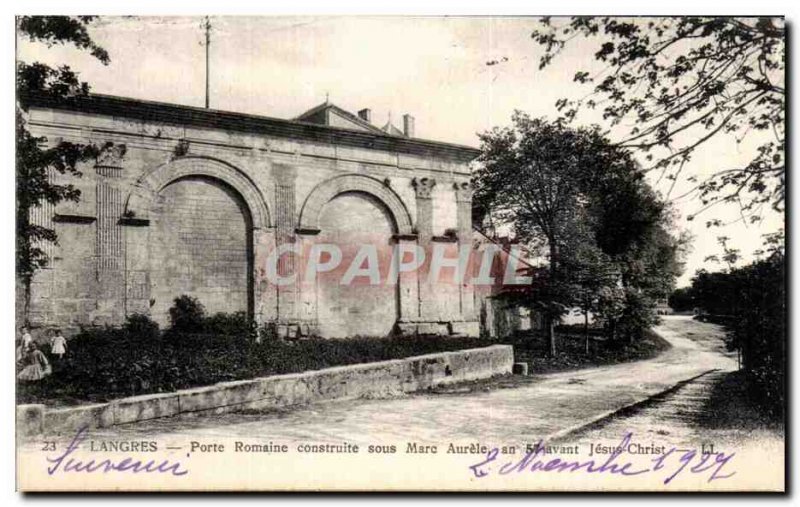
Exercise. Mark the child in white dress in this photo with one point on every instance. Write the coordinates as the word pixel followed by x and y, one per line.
pixel 25 343
pixel 58 345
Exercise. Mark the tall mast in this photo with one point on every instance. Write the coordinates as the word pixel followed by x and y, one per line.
pixel 207 26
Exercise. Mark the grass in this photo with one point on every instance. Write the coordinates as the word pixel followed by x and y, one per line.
pixel 730 407
pixel 532 348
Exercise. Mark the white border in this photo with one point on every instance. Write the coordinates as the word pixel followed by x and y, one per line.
pixel 252 7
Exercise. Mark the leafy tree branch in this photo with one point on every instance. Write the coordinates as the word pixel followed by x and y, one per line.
pixel 671 84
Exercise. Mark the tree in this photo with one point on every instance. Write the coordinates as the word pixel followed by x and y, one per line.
pixel 670 84
pixel 682 299
pixel 572 191
pixel 590 271
pixel 717 293
pixel 642 253
pixel 649 271
pixel 35 161
pixel 751 302
pixel 529 177
pixel 730 255
pixel 586 200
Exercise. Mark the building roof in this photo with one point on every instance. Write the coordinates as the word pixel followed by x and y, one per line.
pixel 145 110
pixel 333 115
pixel 390 129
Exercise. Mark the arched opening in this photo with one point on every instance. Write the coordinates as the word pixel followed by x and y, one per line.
pixel 352 220
pixel 323 193
pixel 201 246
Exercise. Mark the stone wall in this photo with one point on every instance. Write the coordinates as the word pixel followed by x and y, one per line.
pixel 345 382
pixel 199 246
pixel 344 310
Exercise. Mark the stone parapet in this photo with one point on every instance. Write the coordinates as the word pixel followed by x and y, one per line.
pixel 343 382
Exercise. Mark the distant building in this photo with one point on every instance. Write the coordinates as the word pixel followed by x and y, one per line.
pixel 504 308
pixel 663 308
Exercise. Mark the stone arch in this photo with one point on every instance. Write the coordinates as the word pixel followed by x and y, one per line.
pixel 153 181
pixel 328 189
pixel 200 243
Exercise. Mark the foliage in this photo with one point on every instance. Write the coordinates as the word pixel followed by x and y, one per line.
pixel 760 329
pixel 188 319
pixel 536 175
pixel 35 187
pixel 751 302
pixel 610 307
pixel 730 255
pixel 654 262
pixel 61 30
pixel 108 363
pixel 627 212
pixel 231 324
pixel 670 84
pixel 587 201
pixel 36 161
pixel 572 354
pixel 142 326
pixel 681 299
pixel 637 316
pixel 715 293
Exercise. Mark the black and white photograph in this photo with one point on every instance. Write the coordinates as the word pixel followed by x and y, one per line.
pixel 426 253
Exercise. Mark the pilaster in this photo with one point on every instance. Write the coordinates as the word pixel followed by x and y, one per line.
pixel 423 190
pixel 109 240
pixel 285 219
pixel 466 291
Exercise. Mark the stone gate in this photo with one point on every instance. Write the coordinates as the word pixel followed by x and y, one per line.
pixel 193 201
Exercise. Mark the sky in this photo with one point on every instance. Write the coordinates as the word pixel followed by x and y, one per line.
pixel 433 68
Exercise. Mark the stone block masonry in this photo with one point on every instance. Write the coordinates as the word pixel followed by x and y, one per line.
pixel 193 201
pixel 199 247
pixel 344 382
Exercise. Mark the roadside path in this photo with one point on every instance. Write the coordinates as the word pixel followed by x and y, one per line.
pixel 683 418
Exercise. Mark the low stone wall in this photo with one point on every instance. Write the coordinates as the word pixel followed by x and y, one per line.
pixel 343 382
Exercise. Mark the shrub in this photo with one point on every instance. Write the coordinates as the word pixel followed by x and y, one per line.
pixel 268 332
pixel 110 363
pixel 231 324
pixel 750 302
pixel 187 315
pixel 141 327
pixel 639 315
pixel 759 329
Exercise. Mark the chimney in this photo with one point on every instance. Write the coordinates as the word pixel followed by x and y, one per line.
pixel 408 125
pixel 366 115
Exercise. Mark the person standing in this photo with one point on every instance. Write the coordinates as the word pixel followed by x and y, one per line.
pixel 27 339
pixel 37 368
pixel 25 343
pixel 58 345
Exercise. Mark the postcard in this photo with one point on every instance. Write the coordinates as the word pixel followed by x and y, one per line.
pixel 406 253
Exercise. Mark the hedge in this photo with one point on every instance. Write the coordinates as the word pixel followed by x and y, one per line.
pixel 103 364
